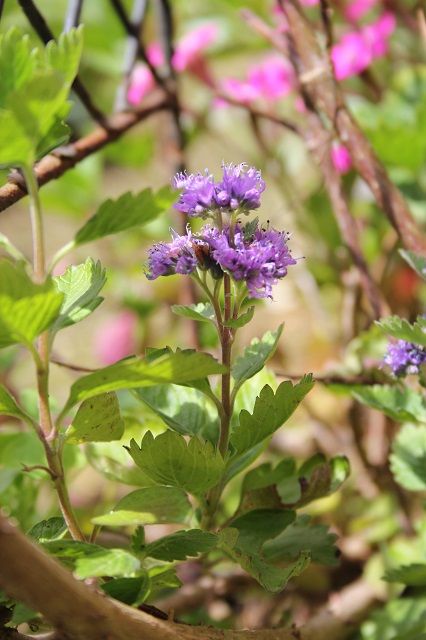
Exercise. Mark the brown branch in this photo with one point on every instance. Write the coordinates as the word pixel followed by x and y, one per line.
pixel 54 165
pixel 79 612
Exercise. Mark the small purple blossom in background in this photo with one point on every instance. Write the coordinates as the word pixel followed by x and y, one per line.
pixel 404 357
pixel 168 258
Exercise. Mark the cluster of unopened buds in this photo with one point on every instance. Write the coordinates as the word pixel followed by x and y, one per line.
pixel 255 258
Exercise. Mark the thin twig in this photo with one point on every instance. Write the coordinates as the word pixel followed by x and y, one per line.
pixel 131 53
pixel 72 18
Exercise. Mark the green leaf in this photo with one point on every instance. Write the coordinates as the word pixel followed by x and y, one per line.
pixel 270 411
pixel 131 591
pixel 258 526
pixel 162 577
pixel 177 368
pixel 128 211
pixel 194 466
pixel 242 320
pixel 22 448
pixel 150 505
pixel 320 478
pixel 115 464
pixel 303 536
pixel 203 311
pixel 268 487
pixel 255 356
pixel 416 262
pixel 70 550
pixel 184 410
pixel 400 619
pixel 80 286
pixel 107 562
pixel 413 575
pixel 97 420
pixel 51 529
pixel 408 458
pixel 404 330
pixel 9 406
pixel 181 545
pixel 26 309
pixel 399 403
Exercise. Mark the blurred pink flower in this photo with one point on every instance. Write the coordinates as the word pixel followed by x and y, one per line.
pixel 358 8
pixel 341 158
pixel 141 84
pixel 357 50
pixel 189 48
pixel 155 54
pixel 309 3
pixel 116 339
pixel 239 90
pixel 269 80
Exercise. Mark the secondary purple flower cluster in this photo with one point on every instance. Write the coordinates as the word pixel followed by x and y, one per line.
pixel 260 258
pixel 239 189
pixel 404 357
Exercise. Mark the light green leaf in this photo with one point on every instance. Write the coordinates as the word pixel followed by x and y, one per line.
pixel 413 575
pixel 9 406
pixel 255 356
pixel 399 403
pixel 400 619
pixel 129 210
pixel 181 545
pixel 303 536
pixel 242 320
pixel 22 448
pixel 26 309
pixel 114 463
pixel 194 466
pixel 80 286
pixel 408 458
pixel 183 409
pixel 404 330
pixel 203 311
pixel 257 526
pixel 416 262
pixel 51 529
pixel 270 411
pixel 178 368
pixel 108 562
pixel 97 420
pixel 150 505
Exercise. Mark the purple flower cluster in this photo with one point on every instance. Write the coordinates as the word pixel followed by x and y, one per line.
pixel 240 189
pixel 404 357
pixel 259 257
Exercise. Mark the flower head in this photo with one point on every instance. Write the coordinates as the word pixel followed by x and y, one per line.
pixel 177 256
pixel 404 357
pixel 240 187
pixel 197 197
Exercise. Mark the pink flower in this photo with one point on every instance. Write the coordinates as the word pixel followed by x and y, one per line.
pixel 189 48
pixel 357 50
pixel 116 339
pixel 341 158
pixel 358 8
pixel 239 90
pixel 155 54
pixel 309 3
pixel 140 85
pixel 272 78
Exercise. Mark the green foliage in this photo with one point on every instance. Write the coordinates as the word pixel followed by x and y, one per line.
pixel 106 562
pixel 408 458
pixel 149 505
pixel 242 320
pixel 412 575
pixel 181 545
pixel 402 404
pixel 400 328
pixel 26 309
pixel 416 262
pixel 128 211
pixel 34 89
pixel 168 459
pixel 401 619
pixel 203 311
pixel 51 529
pixel 255 356
pixel 80 286
pixel 270 411
pixel 9 406
pixel 131 591
pixel 97 420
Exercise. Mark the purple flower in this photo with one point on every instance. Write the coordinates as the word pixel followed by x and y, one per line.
pixel 177 256
pixel 240 187
pixel 197 197
pixel 404 357
pixel 259 258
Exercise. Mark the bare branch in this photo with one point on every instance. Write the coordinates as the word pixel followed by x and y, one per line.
pixel 72 18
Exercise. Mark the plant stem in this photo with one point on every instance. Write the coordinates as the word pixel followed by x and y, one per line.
pixel 226 360
pixel 46 430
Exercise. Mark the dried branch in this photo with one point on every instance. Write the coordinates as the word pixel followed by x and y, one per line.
pixel 79 612
pixel 42 29
pixel 55 165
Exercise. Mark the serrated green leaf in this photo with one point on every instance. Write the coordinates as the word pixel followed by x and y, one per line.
pixel 242 320
pixel 80 286
pixel 258 526
pixel 416 262
pixel 181 545
pixel 399 403
pixel 97 420
pixel 113 463
pixel 194 466
pixel 9 406
pixel 131 373
pixel 408 458
pixel 203 311
pixel 255 356
pixel 303 535
pixel 128 211
pixel 148 506
pixel 160 578
pixel 270 412
pixel 413 575
pixel 70 549
pixel 400 619
pixel 26 309
pixel 131 591
pixel 404 330
pixel 51 529
pixel 107 562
